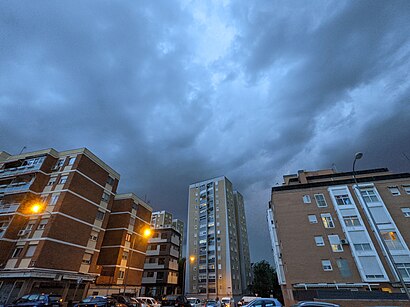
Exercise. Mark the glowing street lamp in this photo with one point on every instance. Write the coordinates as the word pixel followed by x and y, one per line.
pixel 147 232
pixel 192 258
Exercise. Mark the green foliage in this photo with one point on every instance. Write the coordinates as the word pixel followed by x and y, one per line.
pixel 265 282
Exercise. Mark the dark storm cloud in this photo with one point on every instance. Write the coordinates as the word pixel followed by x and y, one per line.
pixel 171 93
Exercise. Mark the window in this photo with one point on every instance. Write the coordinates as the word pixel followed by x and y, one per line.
pixel 121 274
pixel 326 265
pixel 335 243
pixel 327 220
pixel 162 248
pixel 63 179
pixel 312 219
pixel 362 247
pixel 93 237
pixel 42 224
pixel 343 266
pixel 319 241
pixel 128 237
pixel 132 221
pixel 30 251
pixel 369 195
pixel 351 220
pixel 164 236
pixel 110 180
pixel 394 191
pixel 406 188
pixel 52 180
pixel 124 255
pixel 404 269
pixel 306 199
pixel 406 212
pixel 391 239
pixel 100 215
pixel 150 274
pixel 71 161
pixel 105 197
pixel 320 200
pixel 17 252
pixel 53 199
pixel 59 163
pixel 343 200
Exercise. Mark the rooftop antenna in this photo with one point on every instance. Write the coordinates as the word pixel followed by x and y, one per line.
pixel 21 151
pixel 334 167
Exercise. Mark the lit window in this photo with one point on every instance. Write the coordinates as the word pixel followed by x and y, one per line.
pixel 327 220
pixel 128 237
pixel 391 239
pixel 406 212
pixel 369 195
pixel 335 243
pixel 351 220
pixel 343 200
pixel 327 265
pixel 394 191
pixel 121 274
pixel 306 199
pixel 320 200
pixel 319 241
pixel 312 219
pixel 63 179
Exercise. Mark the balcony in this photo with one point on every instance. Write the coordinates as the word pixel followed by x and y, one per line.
pixel 149 280
pixel 154 265
pixel 9 208
pixel 14 171
pixel 15 187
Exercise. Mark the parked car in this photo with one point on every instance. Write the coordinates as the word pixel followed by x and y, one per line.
pixel 150 301
pixel 175 300
pixel 99 301
pixel 228 301
pixel 314 304
pixel 195 302
pixel 53 300
pixel 264 302
pixel 211 303
pixel 126 300
pixel 139 303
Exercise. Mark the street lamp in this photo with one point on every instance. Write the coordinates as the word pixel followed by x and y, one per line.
pixel 376 229
pixel 146 233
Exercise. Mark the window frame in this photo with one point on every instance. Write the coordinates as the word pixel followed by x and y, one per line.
pixel 317 202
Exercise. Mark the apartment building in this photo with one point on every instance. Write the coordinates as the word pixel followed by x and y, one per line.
pixel 215 240
pixel 331 237
pixel 164 219
pixel 124 247
pixel 56 248
pixel 161 264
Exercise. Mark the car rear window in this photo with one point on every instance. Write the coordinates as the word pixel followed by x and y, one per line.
pixel 54 298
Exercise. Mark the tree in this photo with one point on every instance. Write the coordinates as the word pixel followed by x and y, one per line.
pixel 265 282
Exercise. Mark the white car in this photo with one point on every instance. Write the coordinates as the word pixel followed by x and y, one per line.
pixel 149 301
pixel 195 302
pixel 228 301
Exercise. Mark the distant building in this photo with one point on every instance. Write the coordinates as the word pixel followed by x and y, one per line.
pixel 161 264
pixel 124 247
pixel 218 254
pixel 56 249
pixel 322 238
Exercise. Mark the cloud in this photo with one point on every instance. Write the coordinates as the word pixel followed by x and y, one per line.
pixel 172 93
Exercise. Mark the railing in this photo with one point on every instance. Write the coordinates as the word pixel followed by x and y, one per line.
pixel 8 208
pixel 19 170
pixel 15 187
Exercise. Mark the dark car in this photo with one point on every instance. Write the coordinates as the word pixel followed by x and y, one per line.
pixel 53 300
pixel 264 302
pixel 175 300
pixel 126 300
pixel 99 301
pixel 315 304
pixel 211 303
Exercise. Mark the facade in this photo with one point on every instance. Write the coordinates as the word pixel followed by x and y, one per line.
pixel 124 247
pixel 214 240
pixel 321 225
pixel 161 264
pixel 164 219
pixel 56 249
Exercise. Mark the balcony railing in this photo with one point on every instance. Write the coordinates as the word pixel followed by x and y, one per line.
pixel 15 187
pixel 9 208
pixel 19 170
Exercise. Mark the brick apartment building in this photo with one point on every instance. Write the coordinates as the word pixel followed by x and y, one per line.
pixel 322 238
pixel 161 264
pixel 56 249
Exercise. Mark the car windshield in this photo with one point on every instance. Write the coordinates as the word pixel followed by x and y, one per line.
pixel 226 300
pixel 192 300
pixel 92 299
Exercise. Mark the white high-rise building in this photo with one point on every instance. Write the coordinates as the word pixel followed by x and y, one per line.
pixel 218 263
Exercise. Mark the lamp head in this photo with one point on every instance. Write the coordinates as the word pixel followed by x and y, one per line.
pixel 358 155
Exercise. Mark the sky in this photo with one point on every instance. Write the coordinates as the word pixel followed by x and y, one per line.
pixel 170 92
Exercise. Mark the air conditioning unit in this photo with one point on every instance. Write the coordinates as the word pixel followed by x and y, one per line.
pixel 23 232
pixel 344 242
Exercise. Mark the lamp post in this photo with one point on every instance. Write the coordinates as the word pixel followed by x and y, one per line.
pixel 376 229
pixel 146 234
